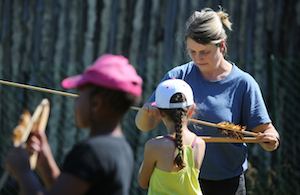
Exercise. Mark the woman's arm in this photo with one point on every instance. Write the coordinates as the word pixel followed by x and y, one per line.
pixel 149 118
pixel 147 166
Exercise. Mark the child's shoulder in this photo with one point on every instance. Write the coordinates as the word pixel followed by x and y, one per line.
pixel 158 142
pixel 200 141
pixel 200 145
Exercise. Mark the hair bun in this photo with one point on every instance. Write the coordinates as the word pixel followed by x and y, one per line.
pixel 223 17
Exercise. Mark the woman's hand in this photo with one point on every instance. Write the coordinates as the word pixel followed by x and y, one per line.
pixel 273 143
pixel 267 132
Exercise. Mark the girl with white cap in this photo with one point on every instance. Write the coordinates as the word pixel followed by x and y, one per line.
pixel 172 162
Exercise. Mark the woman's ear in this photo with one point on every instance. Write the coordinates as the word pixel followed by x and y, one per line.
pixel 191 111
pixel 222 46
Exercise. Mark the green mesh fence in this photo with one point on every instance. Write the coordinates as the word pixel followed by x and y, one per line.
pixel 278 172
pixel 269 172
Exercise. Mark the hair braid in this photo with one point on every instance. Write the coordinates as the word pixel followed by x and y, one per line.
pixel 178 160
pixel 177 115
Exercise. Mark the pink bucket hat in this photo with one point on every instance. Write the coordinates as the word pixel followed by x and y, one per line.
pixel 109 71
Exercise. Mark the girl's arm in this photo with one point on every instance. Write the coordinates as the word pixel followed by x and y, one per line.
pixel 46 164
pixel 17 164
pixel 149 118
pixel 147 166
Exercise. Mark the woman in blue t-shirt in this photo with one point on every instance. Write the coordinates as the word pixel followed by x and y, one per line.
pixel 222 92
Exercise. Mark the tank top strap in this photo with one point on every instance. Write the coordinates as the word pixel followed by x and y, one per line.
pixel 192 144
pixel 171 137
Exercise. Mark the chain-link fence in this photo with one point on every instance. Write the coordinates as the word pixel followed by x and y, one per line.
pixel 269 172
pixel 278 172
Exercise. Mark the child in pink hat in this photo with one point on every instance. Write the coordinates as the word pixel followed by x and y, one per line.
pixel 101 164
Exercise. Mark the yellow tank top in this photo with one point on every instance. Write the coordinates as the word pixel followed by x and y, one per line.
pixel 182 182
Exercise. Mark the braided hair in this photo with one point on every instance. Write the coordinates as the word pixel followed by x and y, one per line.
pixel 177 115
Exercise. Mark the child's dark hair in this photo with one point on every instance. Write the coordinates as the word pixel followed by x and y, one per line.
pixel 178 115
pixel 119 101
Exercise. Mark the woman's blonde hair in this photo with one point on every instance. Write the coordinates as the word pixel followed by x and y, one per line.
pixel 206 27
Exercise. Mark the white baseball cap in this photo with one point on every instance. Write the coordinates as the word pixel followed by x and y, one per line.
pixel 166 89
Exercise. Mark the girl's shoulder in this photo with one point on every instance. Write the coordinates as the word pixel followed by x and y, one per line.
pixel 159 142
pixel 199 151
pixel 200 145
pixel 200 141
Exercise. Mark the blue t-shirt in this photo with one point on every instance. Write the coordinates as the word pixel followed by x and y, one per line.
pixel 235 99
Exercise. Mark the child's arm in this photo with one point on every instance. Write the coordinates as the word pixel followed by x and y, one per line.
pixel 149 118
pixel 46 164
pixel 17 164
pixel 147 166
pixel 199 152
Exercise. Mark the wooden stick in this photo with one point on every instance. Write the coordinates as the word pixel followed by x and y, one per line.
pixel 136 108
pixel 222 127
pixel 42 127
pixel 210 124
pixel 38 88
pixel 46 90
pixel 34 118
pixel 25 135
pixel 132 107
pixel 231 140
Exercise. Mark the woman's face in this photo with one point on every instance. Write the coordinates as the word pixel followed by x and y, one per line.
pixel 206 57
